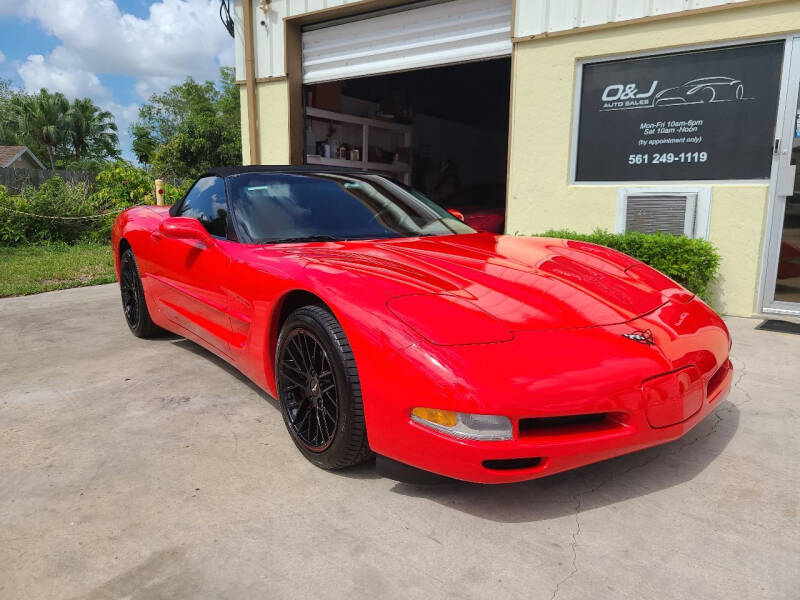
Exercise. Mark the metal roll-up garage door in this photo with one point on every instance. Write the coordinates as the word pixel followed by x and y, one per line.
pixel 409 38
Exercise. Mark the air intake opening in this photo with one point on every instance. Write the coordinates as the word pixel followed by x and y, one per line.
pixel 717 378
pixel 586 424
pixel 508 464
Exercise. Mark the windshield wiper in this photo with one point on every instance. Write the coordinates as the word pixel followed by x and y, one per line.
pixel 304 238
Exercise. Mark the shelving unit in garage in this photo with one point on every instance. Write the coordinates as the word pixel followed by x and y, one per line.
pixel 371 130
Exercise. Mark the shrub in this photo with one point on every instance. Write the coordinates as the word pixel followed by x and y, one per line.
pixel 118 186
pixel 54 198
pixel 691 262
pixel 121 185
pixel 12 226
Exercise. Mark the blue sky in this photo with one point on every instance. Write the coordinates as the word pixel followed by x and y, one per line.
pixel 117 52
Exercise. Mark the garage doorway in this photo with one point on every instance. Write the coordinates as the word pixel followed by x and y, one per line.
pixel 442 130
pixel 419 92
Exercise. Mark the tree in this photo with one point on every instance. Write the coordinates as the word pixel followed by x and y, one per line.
pixel 144 143
pixel 190 127
pixel 77 136
pixel 42 117
pixel 9 134
pixel 91 132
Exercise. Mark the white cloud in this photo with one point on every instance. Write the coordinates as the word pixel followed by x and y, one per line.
pixel 179 38
pixel 73 83
pixel 147 86
pixel 2 57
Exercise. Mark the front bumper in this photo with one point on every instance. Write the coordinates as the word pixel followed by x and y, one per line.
pixel 540 452
pixel 542 377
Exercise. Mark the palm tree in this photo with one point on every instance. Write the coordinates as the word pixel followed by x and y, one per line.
pixel 9 134
pixel 89 127
pixel 42 117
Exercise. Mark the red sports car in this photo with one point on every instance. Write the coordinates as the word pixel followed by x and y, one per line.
pixel 385 325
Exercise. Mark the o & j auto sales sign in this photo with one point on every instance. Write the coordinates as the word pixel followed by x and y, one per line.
pixel 707 114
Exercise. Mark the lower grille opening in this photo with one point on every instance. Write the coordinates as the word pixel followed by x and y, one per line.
pixel 570 424
pixel 507 464
pixel 717 378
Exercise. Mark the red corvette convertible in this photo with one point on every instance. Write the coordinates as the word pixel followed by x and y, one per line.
pixel 385 325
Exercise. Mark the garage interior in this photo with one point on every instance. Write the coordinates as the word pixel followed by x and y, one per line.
pixel 442 130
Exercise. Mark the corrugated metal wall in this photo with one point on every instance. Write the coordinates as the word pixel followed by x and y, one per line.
pixel 269 44
pixel 532 17
pixel 535 17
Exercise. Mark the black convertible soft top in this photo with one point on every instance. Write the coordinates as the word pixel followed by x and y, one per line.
pixel 228 171
pixel 287 169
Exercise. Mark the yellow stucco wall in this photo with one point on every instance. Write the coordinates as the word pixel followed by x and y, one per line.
pixel 245 125
pixel 272 104
pixel 540 196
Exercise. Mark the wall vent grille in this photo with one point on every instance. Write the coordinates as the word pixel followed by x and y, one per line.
pixel 651 214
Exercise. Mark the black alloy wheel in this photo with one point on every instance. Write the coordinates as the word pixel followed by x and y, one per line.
pixel 130 293
pixel 134 305
pixel 319 391
pixel 306 379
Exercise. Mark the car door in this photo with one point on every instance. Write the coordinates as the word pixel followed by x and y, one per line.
pixel 192 275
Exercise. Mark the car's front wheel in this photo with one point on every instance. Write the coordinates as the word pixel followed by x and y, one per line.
pixel 133 303
pixel 319 389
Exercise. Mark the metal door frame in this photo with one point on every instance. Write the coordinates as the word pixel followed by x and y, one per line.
pixel 781 165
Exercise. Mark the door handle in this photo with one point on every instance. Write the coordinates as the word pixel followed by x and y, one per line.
pixel 156 235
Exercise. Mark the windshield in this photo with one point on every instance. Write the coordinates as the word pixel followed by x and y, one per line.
pixel 278 207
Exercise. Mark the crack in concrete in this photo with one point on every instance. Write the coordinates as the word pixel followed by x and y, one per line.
pixel 578 504
pixel 573 547
pixel 579 497
pixel 717 412
pixel 738 381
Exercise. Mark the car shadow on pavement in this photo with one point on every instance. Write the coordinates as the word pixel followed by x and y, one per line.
pixel 225 366
pixel 363 471
pixel 601 484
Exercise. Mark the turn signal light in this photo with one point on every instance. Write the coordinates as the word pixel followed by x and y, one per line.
pixel 464 425
pixel 445 418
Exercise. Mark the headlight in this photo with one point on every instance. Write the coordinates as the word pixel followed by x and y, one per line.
pixel 464 425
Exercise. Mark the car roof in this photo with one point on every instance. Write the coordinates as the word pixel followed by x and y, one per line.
pixel 280 169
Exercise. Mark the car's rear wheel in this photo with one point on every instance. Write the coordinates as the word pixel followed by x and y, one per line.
pixel 133 303
pixel 319 390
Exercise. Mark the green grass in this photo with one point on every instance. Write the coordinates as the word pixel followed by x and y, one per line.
pixel 33 269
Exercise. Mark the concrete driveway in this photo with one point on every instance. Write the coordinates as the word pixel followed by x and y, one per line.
pixel 150 469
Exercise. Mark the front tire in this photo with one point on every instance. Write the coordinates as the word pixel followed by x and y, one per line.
pixel 319 390
pixel 134 306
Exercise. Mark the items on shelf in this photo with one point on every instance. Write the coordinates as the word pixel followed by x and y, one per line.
pixel 332 149
pixel 332 138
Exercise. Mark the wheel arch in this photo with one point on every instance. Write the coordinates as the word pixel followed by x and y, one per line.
pixel 291 301
pixel 122 246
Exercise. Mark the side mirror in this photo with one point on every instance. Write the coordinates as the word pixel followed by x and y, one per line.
pixel 456 213
pixel 186 229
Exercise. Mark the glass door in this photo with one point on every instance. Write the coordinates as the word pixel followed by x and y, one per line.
pixel 782 286
pixel 787 281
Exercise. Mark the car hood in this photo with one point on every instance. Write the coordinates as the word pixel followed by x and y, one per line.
pixel 524 283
